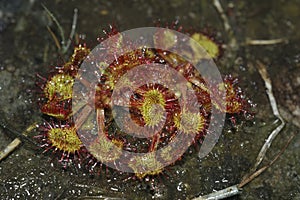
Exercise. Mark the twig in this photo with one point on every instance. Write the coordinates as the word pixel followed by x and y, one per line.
pixel 234 190
pixel 73 28
pixel 54 38
pixel 266 42
pixel 29 129
pixel 99 197
pixel 221 194
pixel 60 29
pixel 20 135
pixel 263 72
pixel 45 54
pixel 220 10
pixel 261 170
pixel 10 148
pixel 226 23
pixel 64 45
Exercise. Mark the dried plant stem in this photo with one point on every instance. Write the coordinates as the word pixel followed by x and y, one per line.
pixel 263 72
pixel 54 38
pixel 235 189
pixel 10 148
pixel 29 129
pixel 221 194
pixel 266 42
pixel 73 28
pixel 262 169
pixel 64 45
pixel 17 141
pixel 226 23
pixel 60 29
pixel 101 197
pixel 221 12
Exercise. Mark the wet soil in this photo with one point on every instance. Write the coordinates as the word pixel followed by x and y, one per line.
pixel 27 49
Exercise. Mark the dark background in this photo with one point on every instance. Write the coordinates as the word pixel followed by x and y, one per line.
pixel 26 48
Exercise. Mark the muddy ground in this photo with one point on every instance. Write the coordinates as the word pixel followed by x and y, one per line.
pixel 27 49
